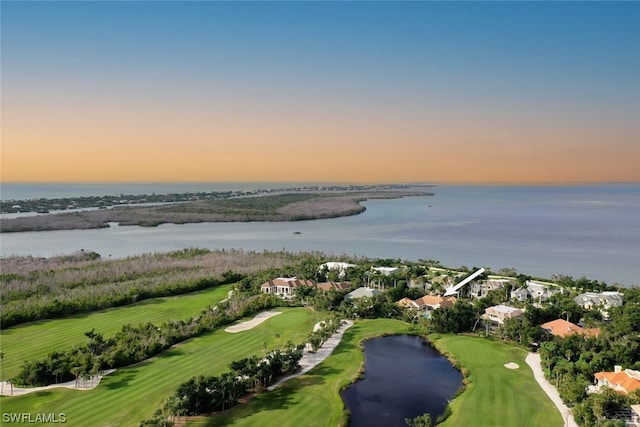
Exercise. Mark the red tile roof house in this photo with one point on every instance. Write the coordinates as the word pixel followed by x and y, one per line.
pixel 338 286
pixel 562 328
pixel 623 381
pixel 431 302
pixel 284 286
pixel 408 303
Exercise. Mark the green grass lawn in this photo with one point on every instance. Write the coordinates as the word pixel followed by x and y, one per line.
pixel 129 395
pixel 312 399
pixel 495 395
pixel 36 340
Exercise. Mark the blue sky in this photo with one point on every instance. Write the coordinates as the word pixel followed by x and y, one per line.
pixel 510 83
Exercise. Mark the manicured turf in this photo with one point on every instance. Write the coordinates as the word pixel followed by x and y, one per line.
pixel 132 394
pixel 36 340
pixel 312 399
pixel 495 395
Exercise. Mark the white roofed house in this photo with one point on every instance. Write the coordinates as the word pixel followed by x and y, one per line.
pixel 340 267
pixel 377 274
pixel 537 291
pixel 497 314
pixel 362 293
pixel 602 301
pixel 480 289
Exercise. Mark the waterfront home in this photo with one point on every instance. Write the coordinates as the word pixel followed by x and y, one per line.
pixel 535 290
pixel 602 301
pixel 285 286
pixel 341 267
pixel 562 328
pixel 497 314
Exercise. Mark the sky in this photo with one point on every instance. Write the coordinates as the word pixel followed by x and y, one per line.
pixel 345 92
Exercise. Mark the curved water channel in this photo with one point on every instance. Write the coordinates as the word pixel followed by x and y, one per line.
pixel 404 377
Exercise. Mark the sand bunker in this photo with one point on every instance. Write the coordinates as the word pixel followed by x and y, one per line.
pixel 249 324
pixel 511 365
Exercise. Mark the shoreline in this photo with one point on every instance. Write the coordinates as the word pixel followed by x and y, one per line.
pixel 283 207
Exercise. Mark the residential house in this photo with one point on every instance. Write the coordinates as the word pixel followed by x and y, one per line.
pixel 624 381
pixel 408 303
pixel 341 267
pixel 562 328
pixel 497 314
pixel 337 286
pixel 432 302
pixel 602 301
pixel 374 277
pixel 480 289
pixel 535 290
pixel 284 286
pixel 362 293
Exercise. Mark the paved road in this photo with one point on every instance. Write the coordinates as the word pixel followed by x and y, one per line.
pixel 533 360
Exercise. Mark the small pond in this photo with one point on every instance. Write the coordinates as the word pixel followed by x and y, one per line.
pixel 404 377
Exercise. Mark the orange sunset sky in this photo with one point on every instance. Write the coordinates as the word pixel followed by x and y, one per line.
pixel 320 92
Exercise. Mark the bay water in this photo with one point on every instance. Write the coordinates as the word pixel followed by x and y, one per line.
pixel 581 230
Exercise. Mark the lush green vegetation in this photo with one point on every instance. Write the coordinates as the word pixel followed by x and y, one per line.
pixel 495 395
pixel 134 393
pixel 312 399
pixel 36 340
pixel 133 344
pixel 570 362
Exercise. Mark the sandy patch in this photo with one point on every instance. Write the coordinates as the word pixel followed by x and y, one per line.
pixel 7 390
pixel 249 324
pixel 511 365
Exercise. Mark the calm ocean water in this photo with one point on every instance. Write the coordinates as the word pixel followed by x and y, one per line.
pixel 591 231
